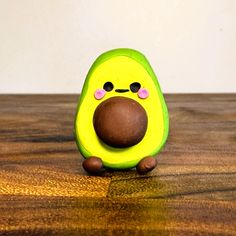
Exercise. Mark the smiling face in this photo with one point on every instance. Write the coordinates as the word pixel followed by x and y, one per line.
pixel 120 76
pixel 135 87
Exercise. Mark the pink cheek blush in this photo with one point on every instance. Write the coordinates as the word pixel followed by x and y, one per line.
pixel 99 94
pixel 143 93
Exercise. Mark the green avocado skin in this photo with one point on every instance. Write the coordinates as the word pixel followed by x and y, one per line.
pixel 141 59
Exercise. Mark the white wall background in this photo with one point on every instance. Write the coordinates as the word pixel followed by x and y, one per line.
pixel 47 46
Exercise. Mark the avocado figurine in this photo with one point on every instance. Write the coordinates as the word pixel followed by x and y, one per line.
pixel 122 118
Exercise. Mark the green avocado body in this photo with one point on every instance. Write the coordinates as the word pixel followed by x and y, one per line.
pixel 86 139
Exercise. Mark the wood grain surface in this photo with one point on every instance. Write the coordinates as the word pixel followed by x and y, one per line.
pixel 45 191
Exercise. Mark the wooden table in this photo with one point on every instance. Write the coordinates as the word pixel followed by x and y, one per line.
pixel 44 190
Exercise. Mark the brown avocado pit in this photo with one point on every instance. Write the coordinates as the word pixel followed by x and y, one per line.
pixel 120 122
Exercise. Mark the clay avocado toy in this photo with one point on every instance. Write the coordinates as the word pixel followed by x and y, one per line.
pixel 122 118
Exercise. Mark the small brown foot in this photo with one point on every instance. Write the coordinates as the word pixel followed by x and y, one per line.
pixel 146 164
pixel 93 165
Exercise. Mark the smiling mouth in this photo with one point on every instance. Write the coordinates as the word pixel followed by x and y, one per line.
pixel 122 90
